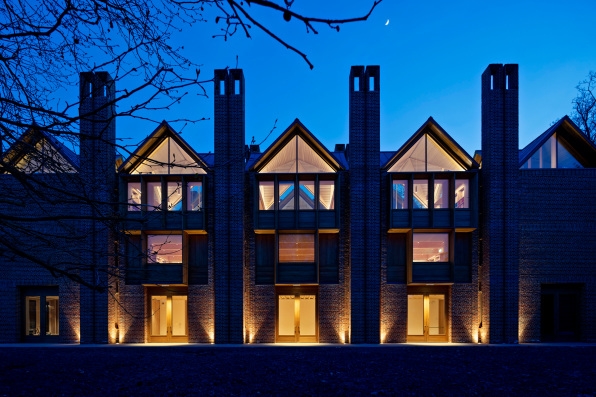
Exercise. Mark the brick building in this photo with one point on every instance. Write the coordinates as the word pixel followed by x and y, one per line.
pixel 299 243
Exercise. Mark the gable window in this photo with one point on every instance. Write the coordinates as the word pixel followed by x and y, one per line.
pixel 426 155
pixel 554 153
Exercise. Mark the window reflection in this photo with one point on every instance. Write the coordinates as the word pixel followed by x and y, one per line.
pixel 164 248
pixel 462 194
pixel 194 196
pixel 134 196
pixel 420 194
pixel 307 195
pixel 286 195
pixel 441 195
pixel 399 195
pixel 174 196
pixel 431 247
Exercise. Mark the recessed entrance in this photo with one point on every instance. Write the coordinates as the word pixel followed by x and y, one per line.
pixel 427 317
pixel 560 312
pixel 167 319
pixel 296 316
pixel 40 314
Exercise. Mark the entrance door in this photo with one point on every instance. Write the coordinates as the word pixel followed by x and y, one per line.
pixel 297 317
pixel 168 318
pixel 427 318
pixel 40 314
pixel 560 312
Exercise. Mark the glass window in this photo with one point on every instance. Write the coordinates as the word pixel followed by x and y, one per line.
pixel 162 248
pixel 326 195
pixel 174 196
pixel 462 194
pixel 399 195
pixel 306 194
pixel 441 194
pixel 194 196
pixel 134 196
pixel 296 248
pixel 52 315
pixel 41 320
pixel 564 158
pixel 420 194
pixel 32 317
pixel 154 196
pixel 286 195
pixel 431 247
pixel 266 195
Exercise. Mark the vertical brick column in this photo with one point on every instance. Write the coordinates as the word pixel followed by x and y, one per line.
pixel 98 185
pixel 499 197
pixel 229 204
pixel 365 246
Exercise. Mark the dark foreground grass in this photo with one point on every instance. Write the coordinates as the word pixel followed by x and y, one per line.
pixel 408 370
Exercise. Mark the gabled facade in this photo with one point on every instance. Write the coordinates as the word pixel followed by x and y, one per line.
pixel 298 243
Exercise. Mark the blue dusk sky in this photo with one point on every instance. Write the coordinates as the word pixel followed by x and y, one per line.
pixel 431 55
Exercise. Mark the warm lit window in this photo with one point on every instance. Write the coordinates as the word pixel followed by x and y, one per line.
pixel 326 195
pixel 174 198
pixel 462 194
pixel 266 195
pixel 134 196
pixel 431 247
pixel 441 195
pixel 286 195
pixel 41 315
pixel 306 193
pixel 296 248
pixel 163 248
pixel 154 196
pixel 399 195
pixel 194 196
pixel 420 194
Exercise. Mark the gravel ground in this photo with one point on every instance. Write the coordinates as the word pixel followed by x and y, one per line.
pixel 323 370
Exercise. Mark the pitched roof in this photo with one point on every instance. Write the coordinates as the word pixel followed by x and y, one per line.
pixel 152 142
pixel 26 143
pixel 296 128
pixel 442 138
pixel 584 150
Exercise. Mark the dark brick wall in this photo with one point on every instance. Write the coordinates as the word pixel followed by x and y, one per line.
pixel 557 226
pixel 499 199
pixel 229 148
pixel 364 120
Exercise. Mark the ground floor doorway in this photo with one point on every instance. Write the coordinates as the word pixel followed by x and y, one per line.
pixel 297 314
pixel 167 319
pixel 427 314
pixel 40 314
pixel 560 312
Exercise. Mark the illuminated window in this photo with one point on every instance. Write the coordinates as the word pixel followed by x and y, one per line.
pixel 306 194
pixel 296 248
pixel 266 195
pixel 420 194
pixel 441 194
pixel 174 198
pixel 134 196
pixel 194 196
pixel 162 248
pixel 399 195
pixel 462 194
pixel 286 195
pixel 431 247
pixel 326 195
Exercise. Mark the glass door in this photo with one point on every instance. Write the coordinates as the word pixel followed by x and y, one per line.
pixel 168 318
pixel 427 318
pixel 41 314
pixel 297 317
